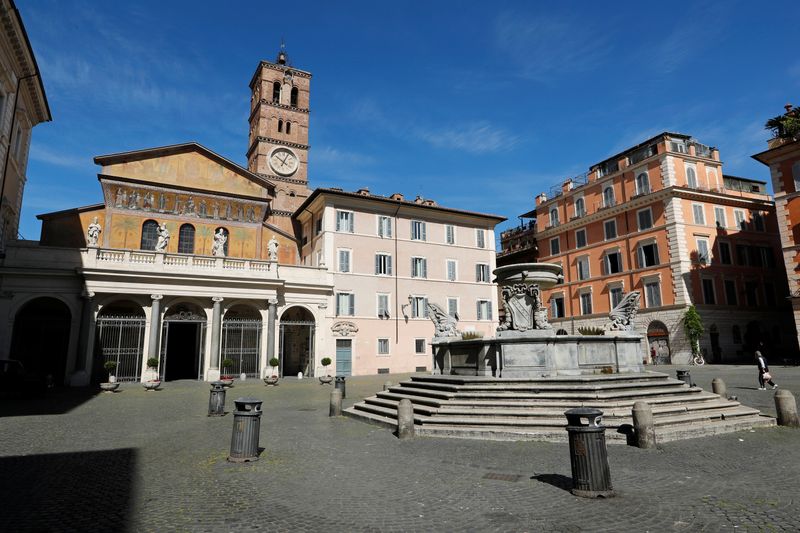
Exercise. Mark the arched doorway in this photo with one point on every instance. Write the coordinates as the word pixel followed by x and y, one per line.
pixel 658 338
pixel 716 349
pixel 296 341
pixel 241 340
pixel 40 340
pixel 183 337
pixel 120 338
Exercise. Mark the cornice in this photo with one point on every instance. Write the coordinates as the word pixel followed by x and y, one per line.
pixel 275 141
pixel 264 101
pixel 286 180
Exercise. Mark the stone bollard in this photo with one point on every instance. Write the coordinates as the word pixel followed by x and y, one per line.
pixel 643 425
pixel 786 406
pixel 405 419
pixel 386 385
pixel 718 386
pixel 336 403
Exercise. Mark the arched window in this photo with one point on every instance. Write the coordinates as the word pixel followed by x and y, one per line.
pixel 288 127
pixel 280 126
pixel 554 217
pixel 149 235
pixel 691 177
pixel 608 196
pixel 580 207
pixel 227 239
pixel 294 97
pixel 276 92
pixel 642 183
pixel 796 175
pixel 186 239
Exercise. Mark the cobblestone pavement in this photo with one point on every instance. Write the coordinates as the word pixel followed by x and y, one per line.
pixel 152 461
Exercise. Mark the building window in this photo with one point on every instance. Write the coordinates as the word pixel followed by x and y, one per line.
pixel 418 232
pixel 345 304
pixel 383 264
pixel 738 215
pixel 186 239
pixel 767 257
pixel 419 267
pixel 691 177
pixel 318 226
pixel 344 260
pixel 452 307
pixel 276 92
pixel 419 307
pixel 610 228
pixel 724 253
pixel 583 268
pixel 608 196
pixel 482 273
pixel 293 99
pixel 580 207
pixel 741 255
pixel 344 221
pixel 586 303
pixel 702 251
pixel 647 255
pixel 730 291
pixel 645 217
pixel 642 183
pixel 758 220
pixel 698 214
pixel 613 262
pixel 288 127
pixel 383 306
pixel 383 346
pixel 615 294
pixel 149 235
pixel 484 308
pixel 708 291
pixel 480 238
pixel 553 217
pixel 280 126
pixel 452 269
pixel 719 217
pixel 652 294
pixel 557 307
pixel 750 293
pixel 795 175
pixel 419 346
pixel 580 238
pixel 555 247
pixel 384 226
pixel 450 233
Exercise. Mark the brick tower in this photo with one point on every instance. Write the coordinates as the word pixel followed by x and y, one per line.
pixel 278 141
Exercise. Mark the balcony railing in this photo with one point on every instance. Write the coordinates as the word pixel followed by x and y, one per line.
pixel 158 261
pixel 522 228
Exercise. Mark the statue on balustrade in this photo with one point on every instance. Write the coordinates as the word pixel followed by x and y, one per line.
pixel 163 238
pixel 220 238
pixel 93 233
pixel 272 249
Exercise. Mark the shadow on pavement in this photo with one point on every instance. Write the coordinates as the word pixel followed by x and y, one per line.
pixel 80 491
pixel 556 480
pixel 56 401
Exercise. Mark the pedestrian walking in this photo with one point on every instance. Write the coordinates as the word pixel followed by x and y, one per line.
pixel 764 377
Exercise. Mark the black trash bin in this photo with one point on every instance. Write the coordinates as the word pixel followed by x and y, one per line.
pixel 216 399
pixel 341 385
pixel 588 456
pixel 246 429
pixel 685 376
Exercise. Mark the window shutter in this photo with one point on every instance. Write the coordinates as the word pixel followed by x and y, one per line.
pixel 380 226
pixel 424 236
pixel 338 221
pixel 388 222
pixel 477 272
pixel 377 263
pixel 424 268
pixel 655 254
pixel 425 307
pixel 338 304
pixel 489 310
pixel 639 256
pixel 351 304
pixel 413 270
pixel 478 312
pixel 389 264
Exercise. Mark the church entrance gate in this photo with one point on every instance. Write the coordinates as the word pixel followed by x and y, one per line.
pixel 241 342
pixel 182 345
pixel 121 339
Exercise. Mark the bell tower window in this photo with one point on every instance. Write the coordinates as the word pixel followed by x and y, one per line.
pixel 280 126
pixel 294 97
pixel 276 92
pixel 288 127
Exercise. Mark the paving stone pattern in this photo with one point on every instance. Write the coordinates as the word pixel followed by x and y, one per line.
pixel 153 461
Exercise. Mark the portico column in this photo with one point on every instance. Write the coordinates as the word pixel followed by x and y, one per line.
pixel 272 306
pixel 216 322
pixel 155 326
pixel 83 336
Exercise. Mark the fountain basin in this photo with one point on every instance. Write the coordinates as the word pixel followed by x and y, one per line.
pixel 543 274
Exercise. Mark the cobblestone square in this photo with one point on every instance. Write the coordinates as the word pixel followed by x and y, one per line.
pixel 153 461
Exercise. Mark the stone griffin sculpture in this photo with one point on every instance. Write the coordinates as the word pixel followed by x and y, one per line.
pixel 444 324
pixel 524 308
pixel 623 314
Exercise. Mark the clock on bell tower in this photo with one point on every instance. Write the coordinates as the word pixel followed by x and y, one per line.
pixel 278 142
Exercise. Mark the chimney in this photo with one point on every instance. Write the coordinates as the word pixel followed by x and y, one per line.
pixel 542 198
pixel 397 196
pixel 363 191
pixel 566 186
pixel 418 199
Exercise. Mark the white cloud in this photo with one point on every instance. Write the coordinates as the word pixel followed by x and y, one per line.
pixel 44 155
pixel 479 137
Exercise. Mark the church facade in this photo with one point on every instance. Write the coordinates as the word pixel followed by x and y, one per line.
pixel 193 260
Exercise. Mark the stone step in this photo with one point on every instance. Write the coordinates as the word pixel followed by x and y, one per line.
pixel 464 380
pixel 413 391
pixel 387 412
pixel 568 394
pixel 536 386
pixel 371 418
pixel 691 396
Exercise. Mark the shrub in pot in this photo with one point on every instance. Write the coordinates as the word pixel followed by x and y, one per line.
pixel 326 361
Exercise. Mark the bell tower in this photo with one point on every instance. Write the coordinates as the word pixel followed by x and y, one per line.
pixel 278 141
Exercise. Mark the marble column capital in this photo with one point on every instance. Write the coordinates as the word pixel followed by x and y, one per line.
pixel 156 296
pixel 272 301
pixel 87 295
pixel 217 299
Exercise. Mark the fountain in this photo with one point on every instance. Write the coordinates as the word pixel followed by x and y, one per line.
pixel 526 345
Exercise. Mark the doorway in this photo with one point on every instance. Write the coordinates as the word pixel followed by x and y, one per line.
pixel 182 343
pixel 658 338
pixel 297 342
pixel 40 339
pixel 344 357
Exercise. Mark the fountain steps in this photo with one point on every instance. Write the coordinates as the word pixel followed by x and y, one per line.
pixel 497 410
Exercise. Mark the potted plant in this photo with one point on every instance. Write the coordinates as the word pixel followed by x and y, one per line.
pixel 327 378
pixel 272 375
pixel 154 380
pixel 112 384
pixel 225 378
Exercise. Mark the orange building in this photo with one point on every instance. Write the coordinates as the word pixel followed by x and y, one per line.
pixel 663 219
pixel 783 160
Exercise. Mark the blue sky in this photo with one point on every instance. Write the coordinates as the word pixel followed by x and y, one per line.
pixel 478 105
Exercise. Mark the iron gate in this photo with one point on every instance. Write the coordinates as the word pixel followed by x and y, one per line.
pixel 122 340
pixel 241 342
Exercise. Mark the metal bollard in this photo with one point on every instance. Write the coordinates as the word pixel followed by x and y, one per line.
pixel 685 376
pixel 216 399
pixel 718 387
pixel 246 429
pixel 336 403
pixel 405 419
pixel 591 476
pixel 387 385
pixel 644 428
pixel 340 384
pixel 786 406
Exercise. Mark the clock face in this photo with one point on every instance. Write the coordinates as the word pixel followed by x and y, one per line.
pixel 283 161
